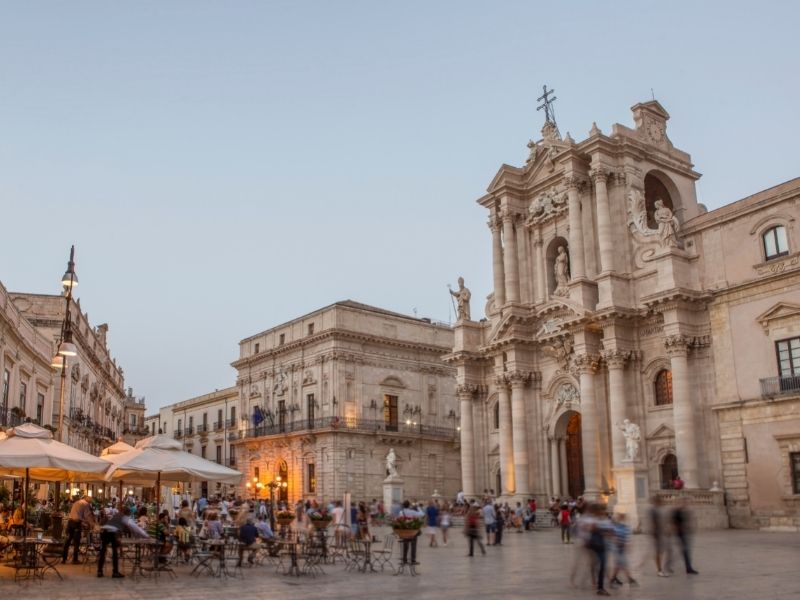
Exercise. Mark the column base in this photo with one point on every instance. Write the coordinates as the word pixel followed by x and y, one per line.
pixel 392 492
pixel 632 495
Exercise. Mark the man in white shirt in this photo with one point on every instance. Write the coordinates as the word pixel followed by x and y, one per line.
pixel 490 521
pixel 410 513
pixel 80 513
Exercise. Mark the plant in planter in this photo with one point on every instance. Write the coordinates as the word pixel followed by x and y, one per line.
pixel 320 518
pixel 284 517
pixel 406 527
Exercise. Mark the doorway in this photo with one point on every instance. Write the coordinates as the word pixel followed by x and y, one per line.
pixel 574 452
pixel 283 491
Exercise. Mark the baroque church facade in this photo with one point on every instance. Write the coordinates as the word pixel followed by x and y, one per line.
pixel 633 336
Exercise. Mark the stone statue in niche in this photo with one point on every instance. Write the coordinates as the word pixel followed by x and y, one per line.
pixel 462 296
pixel 561 272
pixel 668 225
pixel 391 463
pixel 633 435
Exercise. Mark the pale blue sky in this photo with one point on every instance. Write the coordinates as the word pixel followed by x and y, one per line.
pixel 224 167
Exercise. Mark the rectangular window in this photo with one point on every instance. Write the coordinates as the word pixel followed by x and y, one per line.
pixel 23 394
pixel 180 425
pixel 281 416
pixel 282 339
pixel 4 407
pixel 310 405
pixel 203 451
pixel 233 415
pixel 219 419
pixel 310 329
pixel 390 415
pixel 257 348
pixel 788 357
pixel 232 456
pixel 219 455
pixel 312 479
pixel 191 425
pixel 257 473
pixel 794 465
pixel 133 421
pixel 40 409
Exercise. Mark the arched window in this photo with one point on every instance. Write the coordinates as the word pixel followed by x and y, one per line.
pixel 775 242
pixel 663 387
pixel 496 415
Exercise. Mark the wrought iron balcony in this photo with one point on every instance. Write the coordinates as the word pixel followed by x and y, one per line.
pixel 772 387
pixel 178 434
pixel 217 426
pixel 330 424
pixel 188 431
pixel 232 461
pixel 202 428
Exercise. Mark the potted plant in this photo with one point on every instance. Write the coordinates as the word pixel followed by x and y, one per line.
pixel 284 517
pixel 406 528
pixel 320 519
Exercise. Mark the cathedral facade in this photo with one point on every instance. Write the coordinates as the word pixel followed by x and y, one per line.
pixel 632 336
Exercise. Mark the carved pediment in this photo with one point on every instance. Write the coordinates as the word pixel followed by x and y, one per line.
pixel 662 432
pixel 393 381
pixel 779 312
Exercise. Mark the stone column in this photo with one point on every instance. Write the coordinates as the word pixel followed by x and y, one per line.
pixel 497 263
pixel 576 260
pixel 555 471
pixel 586 365
pixel 541 270
pixel 506 438
pixel 615 360
pixel 519 380
pixel 604 233
pixel 465 395
pixel 683 410
pixel 511 263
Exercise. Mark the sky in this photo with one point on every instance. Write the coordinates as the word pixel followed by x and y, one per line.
pixel 224 167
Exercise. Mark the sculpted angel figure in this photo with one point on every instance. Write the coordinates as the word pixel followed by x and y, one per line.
pixel 668 225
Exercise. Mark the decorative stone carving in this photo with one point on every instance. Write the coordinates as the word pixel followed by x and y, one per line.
pixel 666 235
pixel 676 345
pixel 518 378
pixel 560 349
pixel 280 386
pixel 616 359
pixel 466 390
pixel 547 206
pixel 462 297
pixel 585 363
pixel 308 377
pixel 633 435
pixel 549 327
pixel 561 272
pixel 567 395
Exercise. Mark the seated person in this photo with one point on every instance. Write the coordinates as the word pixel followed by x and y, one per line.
pixel 213 525
pixel 248 540
pixel 183 536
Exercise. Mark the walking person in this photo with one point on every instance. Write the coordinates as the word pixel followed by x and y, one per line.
pixel 445 520
pixel 499 525
pixel 80 514
pixel 432 522
pixel 472 529
pixel 565 522
pixel 622 533
pixel 601 529
pixel 489 521
pixel 109 535
pixel 681 525
pixel 660 541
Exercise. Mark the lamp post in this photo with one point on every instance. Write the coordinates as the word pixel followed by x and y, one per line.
pixel 274 485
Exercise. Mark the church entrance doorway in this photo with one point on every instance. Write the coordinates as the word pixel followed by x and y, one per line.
pixel 574 452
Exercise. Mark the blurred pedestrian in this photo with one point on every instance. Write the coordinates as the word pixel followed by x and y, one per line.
pixel 622 533
pixel 681 526
pixel 472 529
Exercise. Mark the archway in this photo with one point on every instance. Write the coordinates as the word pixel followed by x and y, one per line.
pixel 657 187
pixel 669 470
pixel 283 473
pixel 574 452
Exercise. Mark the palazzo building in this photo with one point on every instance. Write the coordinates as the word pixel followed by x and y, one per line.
pixel 327 395
pixel 633 336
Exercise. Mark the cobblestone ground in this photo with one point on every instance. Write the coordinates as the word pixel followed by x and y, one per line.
pixel 732 564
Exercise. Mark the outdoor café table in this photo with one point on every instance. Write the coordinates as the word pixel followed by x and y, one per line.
pixel 29 557
pixel 292 547
pixel 216 548
pixel 367 554
pixel 139 544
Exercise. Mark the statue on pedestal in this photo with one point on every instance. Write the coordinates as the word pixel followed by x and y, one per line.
pixel 668 225
pixel 462 296
pixel 633 435
pixel 391 463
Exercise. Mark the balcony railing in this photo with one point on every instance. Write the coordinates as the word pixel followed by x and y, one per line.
pixel 202 428
pixel 178 434
pixel 772 387
pixel 230 423
pixel 232 461
pixel 217 426
pixel 351 425
pixel 188 431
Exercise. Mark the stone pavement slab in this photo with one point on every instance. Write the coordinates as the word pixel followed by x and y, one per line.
pixel 732 564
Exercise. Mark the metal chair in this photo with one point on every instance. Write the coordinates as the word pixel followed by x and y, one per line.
pixel 383 556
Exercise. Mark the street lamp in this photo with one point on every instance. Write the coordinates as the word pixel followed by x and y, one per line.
pixel 66 348
pixel 273 485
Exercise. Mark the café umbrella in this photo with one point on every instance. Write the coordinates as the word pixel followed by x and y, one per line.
pixel 119 447
pixel 160 459
pixel 30 451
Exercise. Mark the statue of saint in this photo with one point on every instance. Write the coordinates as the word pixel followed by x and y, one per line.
pixel 462 296
pixel 391 463
pixel 668 225
pixel 561 272
pixel 633 435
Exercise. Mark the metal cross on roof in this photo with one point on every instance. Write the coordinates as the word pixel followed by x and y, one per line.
pixel 547 105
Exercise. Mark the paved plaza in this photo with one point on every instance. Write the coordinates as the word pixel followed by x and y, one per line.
pixel 732 564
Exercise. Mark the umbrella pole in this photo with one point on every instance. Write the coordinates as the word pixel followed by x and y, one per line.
pixel 25 495
pixel 158 493
pixel 119 495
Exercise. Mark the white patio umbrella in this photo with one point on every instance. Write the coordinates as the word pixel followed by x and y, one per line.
pixel 30 451
pixel 119 447
pixel 160 458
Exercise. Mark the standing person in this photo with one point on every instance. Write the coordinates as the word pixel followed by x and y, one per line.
pixel 80 514
pixel 681 525
pixel 499 525
pixel 410 513
pixel 432 522
pixel 109 535
pixel 472 529
pixel 532 507
pixel 445 521
pixel 489 521
pixel 362 519
pixel 622 533
pixel 202 503
pixel 601 529
pixel 660 541
pixel 565 522
pixel 185 512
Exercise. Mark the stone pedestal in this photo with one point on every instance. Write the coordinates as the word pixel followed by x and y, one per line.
pixel 392 492
pixel 632 495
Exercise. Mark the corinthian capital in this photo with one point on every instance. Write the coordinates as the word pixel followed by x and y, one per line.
pixel 466 391
pixel 494 224
pixel 585 363
pixel 519 378
pixel 599 174
pixel 574 182
pixel 616 359
pixel 501 381
pixel 509 216
pixel 677 345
